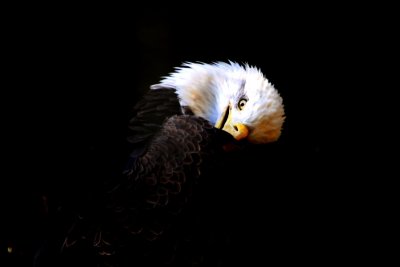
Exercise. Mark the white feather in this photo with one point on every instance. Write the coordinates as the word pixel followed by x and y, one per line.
pixel 208 89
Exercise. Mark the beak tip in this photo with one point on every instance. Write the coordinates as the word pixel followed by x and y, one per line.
pixel 241 131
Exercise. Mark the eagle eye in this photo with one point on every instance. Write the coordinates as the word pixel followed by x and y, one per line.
pixel 242 103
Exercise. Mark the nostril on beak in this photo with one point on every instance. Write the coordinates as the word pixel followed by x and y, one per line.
pixel 235 127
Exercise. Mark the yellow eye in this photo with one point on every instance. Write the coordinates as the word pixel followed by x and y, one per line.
pixel 242 103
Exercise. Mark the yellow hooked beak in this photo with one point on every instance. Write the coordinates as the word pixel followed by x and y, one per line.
pixel 238 130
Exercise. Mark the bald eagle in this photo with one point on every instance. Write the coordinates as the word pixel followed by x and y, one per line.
pixel 169 206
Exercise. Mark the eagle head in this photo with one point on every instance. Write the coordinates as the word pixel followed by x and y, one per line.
pixel 233 97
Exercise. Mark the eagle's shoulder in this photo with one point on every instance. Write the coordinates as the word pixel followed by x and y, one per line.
pixel 150 112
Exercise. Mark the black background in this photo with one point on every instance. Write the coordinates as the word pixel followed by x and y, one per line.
pixel 74 77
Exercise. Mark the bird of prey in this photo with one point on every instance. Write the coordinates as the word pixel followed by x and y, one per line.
pixel 169 206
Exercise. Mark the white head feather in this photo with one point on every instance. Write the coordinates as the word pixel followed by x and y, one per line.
pixel 207 89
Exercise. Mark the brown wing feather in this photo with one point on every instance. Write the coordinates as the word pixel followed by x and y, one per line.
pixel 147 215
pixel 161 181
